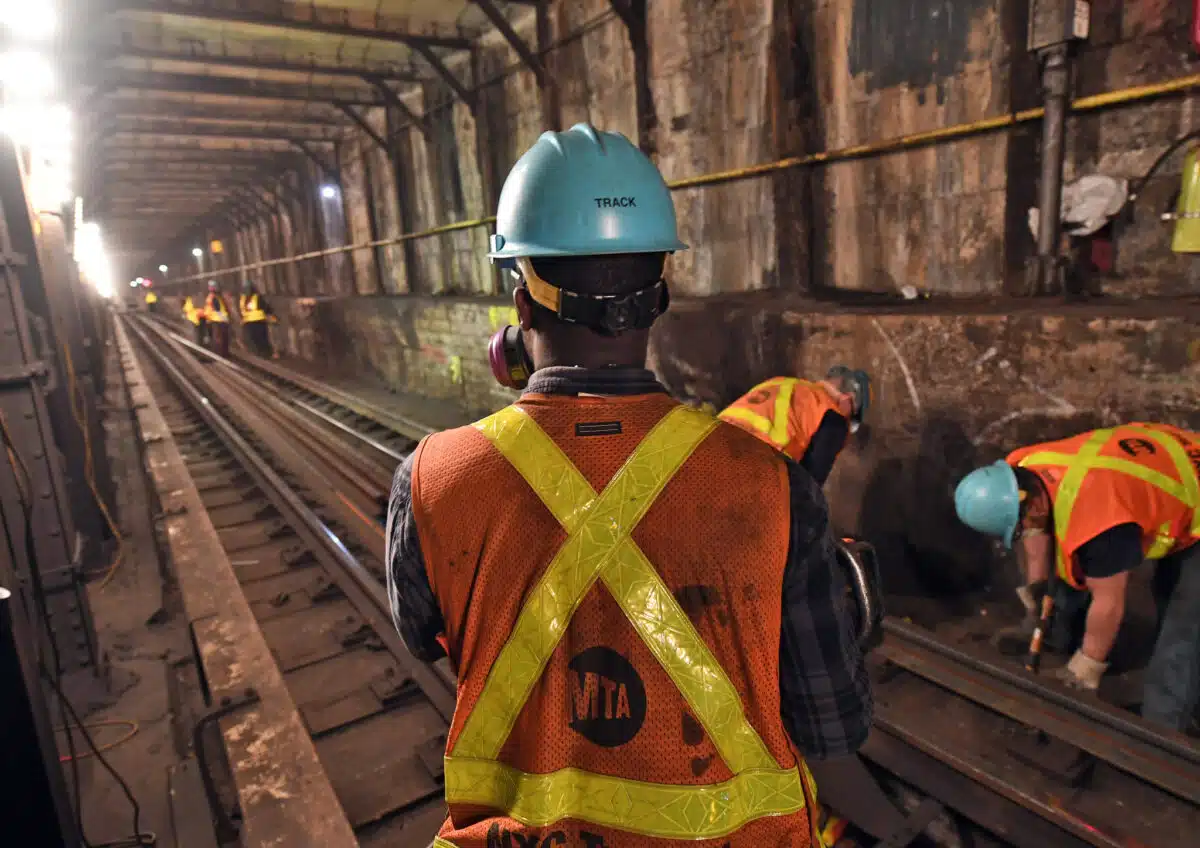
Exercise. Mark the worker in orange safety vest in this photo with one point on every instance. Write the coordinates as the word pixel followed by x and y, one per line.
pixel 1090 509
pixel 195 315
pixel 640 601
pixel 807 421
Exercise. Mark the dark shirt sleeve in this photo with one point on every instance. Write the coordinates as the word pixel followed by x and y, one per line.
pixel 825 445
pixel 415 611
pixel 1114 551
pixel 825 692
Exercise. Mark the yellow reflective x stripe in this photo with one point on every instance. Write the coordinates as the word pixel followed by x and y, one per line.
pixel 438 842
pixel 599 546
pixel 1188 474
pixel 650 809
pixel 776 428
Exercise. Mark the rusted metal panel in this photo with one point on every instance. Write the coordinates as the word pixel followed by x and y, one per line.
pixel 285 796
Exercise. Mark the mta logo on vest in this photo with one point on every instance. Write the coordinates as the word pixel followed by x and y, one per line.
pixel 608 698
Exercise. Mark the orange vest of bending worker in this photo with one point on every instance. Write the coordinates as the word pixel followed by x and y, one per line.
pixel 784 412
pixel 214 309
pixel 593 709
pixel 1144 474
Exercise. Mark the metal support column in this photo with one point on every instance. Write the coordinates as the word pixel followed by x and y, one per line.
pixel 1049 268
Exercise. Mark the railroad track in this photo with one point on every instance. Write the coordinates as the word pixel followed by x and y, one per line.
pixel 943 715
pixel 377 717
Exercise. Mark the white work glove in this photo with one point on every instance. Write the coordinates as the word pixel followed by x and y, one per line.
pixel 1082 672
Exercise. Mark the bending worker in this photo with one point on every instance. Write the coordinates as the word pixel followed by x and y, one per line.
pixel 195 316
pixel 641 602
pixel 807 421
pixel 1092 508
pixel 216 310
pixel 255 312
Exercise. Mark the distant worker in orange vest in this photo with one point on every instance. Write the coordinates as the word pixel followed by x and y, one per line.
pixel 641 602
pixel 807 421
pixel 195 316
pixel 1090 509
pixel 216 310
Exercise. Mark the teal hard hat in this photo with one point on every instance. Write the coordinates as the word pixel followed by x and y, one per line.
pixel 989 500
pixel 584 193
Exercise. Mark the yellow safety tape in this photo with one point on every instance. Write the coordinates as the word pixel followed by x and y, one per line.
pixel 649 809
pixel 598 545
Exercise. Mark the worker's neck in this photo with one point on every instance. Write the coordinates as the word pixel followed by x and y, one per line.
pixel 590 350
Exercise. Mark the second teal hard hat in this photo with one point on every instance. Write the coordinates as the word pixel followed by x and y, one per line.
pixel 584 193
pixel 989 500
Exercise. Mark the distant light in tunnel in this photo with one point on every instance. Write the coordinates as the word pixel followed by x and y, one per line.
pixel 162 269
pixel 133 283
pixel 29 21
pixel 328 192
pixel 197 252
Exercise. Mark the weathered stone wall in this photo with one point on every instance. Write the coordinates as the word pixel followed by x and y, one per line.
pixel 738 83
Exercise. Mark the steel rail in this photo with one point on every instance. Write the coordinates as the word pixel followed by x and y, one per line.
pixel 247 374
pixel 1122 722
pixel 360 586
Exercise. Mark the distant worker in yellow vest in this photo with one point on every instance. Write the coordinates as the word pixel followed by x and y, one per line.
pixel 151 297
pixel 216 310
pixel 1090 509
pixel 807 421
pixel 195 315
pixel 256 315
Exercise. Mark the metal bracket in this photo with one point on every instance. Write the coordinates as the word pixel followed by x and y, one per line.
pixel 461 91
pixel 21 374
pixel 358 120
pixel 421 122
pixel 515 41
pixel 227 829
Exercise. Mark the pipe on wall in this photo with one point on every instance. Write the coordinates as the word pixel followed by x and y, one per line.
pixel 1105 100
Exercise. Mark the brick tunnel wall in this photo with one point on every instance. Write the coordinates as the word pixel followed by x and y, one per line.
pixel 750 82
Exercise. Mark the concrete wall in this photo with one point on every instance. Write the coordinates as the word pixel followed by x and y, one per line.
pixel 740 83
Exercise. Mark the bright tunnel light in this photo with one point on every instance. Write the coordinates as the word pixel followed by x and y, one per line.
pixel 162 269
pixel 26 75
pixel 94 264
pixel 197 252
pixel 37 21
pixel 328 192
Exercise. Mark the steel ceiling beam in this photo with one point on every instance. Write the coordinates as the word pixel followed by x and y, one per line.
pixel 267 134
pixel 198 84
pixel 264 64
pixel 327 171
pixel 312 27
pixel 203 116
pixel 514 40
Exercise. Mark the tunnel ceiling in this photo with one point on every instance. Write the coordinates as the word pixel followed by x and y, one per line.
pixel 183 105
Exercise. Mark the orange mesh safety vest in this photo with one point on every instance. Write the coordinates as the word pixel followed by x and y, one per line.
pixel 1145 474
pixel 784 412
pixel 214 309
pixel 610 574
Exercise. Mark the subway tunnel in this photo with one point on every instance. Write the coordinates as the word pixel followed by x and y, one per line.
pixel 255 262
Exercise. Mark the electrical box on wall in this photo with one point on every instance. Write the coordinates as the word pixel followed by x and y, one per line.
pixel 1055 22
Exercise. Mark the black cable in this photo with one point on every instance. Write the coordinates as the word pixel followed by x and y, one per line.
pixel 1158 163
pixel 55 680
